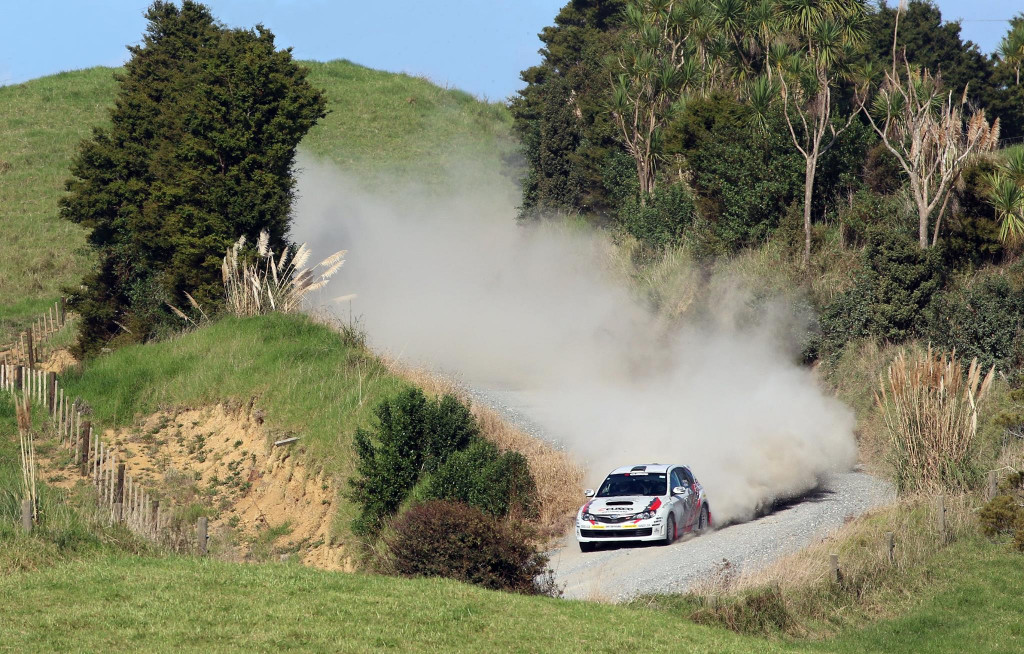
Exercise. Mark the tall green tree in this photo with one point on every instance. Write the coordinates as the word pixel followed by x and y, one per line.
pixel 561 115
pixel 200 150
pixel 1006 97
pixel 1011 48
pixel 826 34
pixel 928 41
pixel 672 51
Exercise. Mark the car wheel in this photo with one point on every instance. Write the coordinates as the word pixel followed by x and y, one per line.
pixel 670 530
pixel 702 521
pixel 588 547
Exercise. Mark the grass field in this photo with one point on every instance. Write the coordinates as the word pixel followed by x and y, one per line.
pixel 383 126
pixel 127 603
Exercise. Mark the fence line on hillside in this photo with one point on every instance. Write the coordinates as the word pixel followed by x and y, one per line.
pixel 121 498
pixel 32 345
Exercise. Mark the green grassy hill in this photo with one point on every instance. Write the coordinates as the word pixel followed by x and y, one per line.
pixel 76 585
pixel 305 378
pixel 381 126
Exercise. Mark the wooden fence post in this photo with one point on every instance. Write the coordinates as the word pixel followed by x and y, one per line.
pixel 890 546
pixel 201 529
pixel 119 494
pixel 60 311
pixel 30 350
pixel 993 484
pixel 154 519
pixel 52 393
pixel 940 516
pixel 834 564
pixel 19 378
pixel 26 515
pixel 119 488
pixel 83 448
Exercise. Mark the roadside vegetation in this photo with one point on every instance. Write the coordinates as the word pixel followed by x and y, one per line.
pixel 909 302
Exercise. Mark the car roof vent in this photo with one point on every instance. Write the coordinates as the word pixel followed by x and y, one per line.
pixel 638 468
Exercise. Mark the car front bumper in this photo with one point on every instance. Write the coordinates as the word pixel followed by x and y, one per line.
pixel 648 530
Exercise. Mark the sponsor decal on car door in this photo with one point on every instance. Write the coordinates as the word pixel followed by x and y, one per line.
pixel 686 501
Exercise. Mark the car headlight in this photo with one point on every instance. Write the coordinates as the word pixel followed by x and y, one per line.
pixel 646 515
pixel 588 517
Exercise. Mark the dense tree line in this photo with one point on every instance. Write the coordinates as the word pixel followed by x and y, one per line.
pixel 717 125
pixel 712 62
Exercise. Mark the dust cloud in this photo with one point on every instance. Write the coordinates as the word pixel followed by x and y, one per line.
pixel 539 319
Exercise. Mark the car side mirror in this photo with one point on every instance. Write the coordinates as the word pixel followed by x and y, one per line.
pixel 680 490
pixel 589 492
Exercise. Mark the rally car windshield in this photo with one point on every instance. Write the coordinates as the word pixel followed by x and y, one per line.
pixel 651 485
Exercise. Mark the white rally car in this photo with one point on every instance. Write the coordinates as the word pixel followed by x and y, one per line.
pixel 652 502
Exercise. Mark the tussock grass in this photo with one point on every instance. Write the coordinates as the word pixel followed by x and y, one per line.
pixel 931 412
pixel 271 283
pixel 796 594
pixel 854 380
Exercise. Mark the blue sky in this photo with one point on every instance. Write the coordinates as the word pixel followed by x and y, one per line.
pixel 475 45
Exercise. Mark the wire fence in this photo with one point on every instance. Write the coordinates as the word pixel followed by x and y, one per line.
pixel 120 497
pixel 33 344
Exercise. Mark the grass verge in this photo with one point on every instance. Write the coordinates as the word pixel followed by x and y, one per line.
pixel 123 603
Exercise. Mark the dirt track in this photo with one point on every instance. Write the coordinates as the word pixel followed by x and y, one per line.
pixel 618 573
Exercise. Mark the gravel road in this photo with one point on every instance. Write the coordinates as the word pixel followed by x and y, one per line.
pixel 619 573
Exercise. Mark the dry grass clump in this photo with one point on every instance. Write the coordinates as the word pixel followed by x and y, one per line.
pixel 271 283
pixel 862 546
pixel 559 479
pixel 931 413
pixel 813 603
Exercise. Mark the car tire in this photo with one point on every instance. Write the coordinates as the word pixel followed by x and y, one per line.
pixel 588 547
pixel 670 529
pixel 702 521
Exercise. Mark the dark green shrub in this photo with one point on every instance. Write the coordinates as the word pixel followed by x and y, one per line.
pixel 895 286
pixel 868 212
pixel 1004 513
pixel 662 221
pixel 743 179
pixel 451 427
pixel 1000 515
pixel 970 231
pixel 984 321
pixel 413 433
pixel 481 476
pixel 882 171
pixel 457 541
